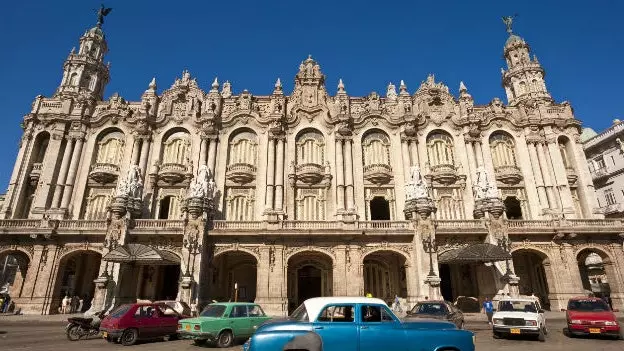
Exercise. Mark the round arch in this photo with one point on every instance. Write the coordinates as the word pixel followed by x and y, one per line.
pixel 238 249
pixel 15 263
pixel 598 273
pixel 533 266
pixel 75 272
pixel 309 274
pixel 234 276
pixel 296 252
pixel 384 273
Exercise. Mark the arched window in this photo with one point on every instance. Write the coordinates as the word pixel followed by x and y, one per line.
pixel 376 149
pixel 440 149
pixel 92 82
pixel 110 148
pixel 562 142
pixel 310 205
pixel 169 207
pixel 503 150
pixel 177 147
pixel 244 149
pixel 73 79
pixel 522 87
pixel 239 205
pixel 311 148
pixel 96 207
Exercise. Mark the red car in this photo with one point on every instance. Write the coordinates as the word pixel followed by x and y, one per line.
pixel 591 315
pixel 129 323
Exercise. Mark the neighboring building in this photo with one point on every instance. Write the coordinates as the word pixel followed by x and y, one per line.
pixel 285 197
pixel 605 157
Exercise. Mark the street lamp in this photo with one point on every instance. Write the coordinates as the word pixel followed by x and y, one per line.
pixel 505 244
pixel 109 244
pixel 194 247
pixel 430 247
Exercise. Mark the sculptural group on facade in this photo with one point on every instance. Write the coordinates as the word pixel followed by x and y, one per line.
pixel 416 187
pixel 203 185
pixel 484 187
pixel 132 185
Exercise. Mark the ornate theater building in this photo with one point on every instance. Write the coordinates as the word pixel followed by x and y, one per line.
pixel 219 194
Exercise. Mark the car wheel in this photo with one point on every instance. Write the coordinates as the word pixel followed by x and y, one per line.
pixel 73 333
pixel 225 339
pixel 129 337
pixel 541 336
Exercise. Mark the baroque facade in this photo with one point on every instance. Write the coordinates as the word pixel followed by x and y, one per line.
pixel 202 195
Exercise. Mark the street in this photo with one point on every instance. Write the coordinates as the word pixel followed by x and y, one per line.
pixel 50 335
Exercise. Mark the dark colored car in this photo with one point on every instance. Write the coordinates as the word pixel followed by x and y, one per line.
pixel 443 310
pixel 591 315
pixel 132 322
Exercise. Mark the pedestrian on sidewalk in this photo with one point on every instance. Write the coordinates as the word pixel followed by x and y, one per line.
pixel 397 304
pixel 488 309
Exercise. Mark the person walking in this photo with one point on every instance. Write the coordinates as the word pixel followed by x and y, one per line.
pixel 397 304
pixel 488 309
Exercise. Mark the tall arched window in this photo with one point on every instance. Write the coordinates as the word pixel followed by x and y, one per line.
pixel 96 207
pixel 110 148
pixel 376 149
pixel 73 79
pixel 239 205
pixel 177 148
pixel 243 149
pixel 169 207
pixel 311 148
pixel 503 150
pixel 440 149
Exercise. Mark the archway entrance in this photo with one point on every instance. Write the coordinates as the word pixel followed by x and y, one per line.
pixel 379 209
pixel 231 270
pixel 13 269
pixel 75 277
pixel 530 266
pixel 513 208
pixel 384 275
pixel 446 287
pixel 597 273
pixel 309 275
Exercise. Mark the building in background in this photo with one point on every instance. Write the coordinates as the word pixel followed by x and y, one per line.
pixel 605 157
pixel 215 194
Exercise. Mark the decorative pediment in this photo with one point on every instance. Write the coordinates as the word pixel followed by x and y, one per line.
pixel 183 100
pixel 309 93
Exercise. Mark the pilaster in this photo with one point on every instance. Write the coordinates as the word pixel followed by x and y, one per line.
pixel 48 172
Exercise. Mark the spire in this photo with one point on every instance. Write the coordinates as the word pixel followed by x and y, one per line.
pixel 278 87
pixel 403 88
pixel 152 84
pixel 462 87
pixel 215 85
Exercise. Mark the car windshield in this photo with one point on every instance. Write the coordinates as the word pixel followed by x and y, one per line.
pixel 119 311
pixel 588 306
pixel 300 314
pixel 430 308
pixel 517 306
pixel 213 311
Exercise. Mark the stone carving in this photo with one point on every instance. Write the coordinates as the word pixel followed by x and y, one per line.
pixel 132 185
pixel 416 187
pixel 620 144
pixel 202 186
pixel 485 187
pixel 391 93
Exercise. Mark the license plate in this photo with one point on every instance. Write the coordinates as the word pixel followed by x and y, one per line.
pixel 515 331
pixel 594 330
pixel 188 327
pixel 104 335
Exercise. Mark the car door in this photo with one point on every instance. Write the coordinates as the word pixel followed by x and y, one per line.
pixel 145 322
pixel 239 321
pixel 256 317
pixel 167 320
pixel 379 329
pixel 337 328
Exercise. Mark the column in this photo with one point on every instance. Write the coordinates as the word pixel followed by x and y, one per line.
pixel 67 193
pixel 63 173
pixel 479 152
pixel 268 205
pixel 340 175
pixel 537 173
pixel 472 165
pixel 145 148
pixel 47 172
pixel 202 151
pixel 135 150
pixel 560 175
pixel 279 172
pixel 406 159
pixel 546 175
pixel 349 174
pixel 413 154
pixel 212 155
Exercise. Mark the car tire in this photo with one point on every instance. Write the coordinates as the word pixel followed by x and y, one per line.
pixel 225 339
pixel 541 336
pixel 73 333
pixel 129 337
pixel 496 335
pixel 172 337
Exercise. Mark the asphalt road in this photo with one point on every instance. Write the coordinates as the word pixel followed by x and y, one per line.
pixel 26 336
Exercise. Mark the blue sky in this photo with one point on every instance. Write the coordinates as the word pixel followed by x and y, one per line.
pixel 366 43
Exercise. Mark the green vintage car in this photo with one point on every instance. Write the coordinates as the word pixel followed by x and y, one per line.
pixel 223 322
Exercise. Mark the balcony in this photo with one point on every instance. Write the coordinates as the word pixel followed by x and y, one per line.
pixel 241 173
pixel 310 173
pixel 104 172
pixel 599 174
pixel 35 173
pixel 379 173
pixel 172 172
pixel 444 173
pixel 613 209
pixel 509 175
pixel 571 175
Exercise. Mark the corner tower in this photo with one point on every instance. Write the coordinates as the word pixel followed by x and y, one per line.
pixel 84 73
pixel 524 78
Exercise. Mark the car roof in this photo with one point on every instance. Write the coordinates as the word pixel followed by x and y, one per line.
pixel 576 298
pixel 234 303
pixel 517 299
pixel 315 304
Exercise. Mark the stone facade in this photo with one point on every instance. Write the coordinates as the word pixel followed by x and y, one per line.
pixel 202 195
pixel 605 156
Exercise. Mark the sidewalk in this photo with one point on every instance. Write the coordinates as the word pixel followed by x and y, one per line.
pixel 6 317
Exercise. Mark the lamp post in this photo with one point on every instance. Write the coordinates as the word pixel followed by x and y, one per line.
pixel 110 245
pixel 194 247
pixel 505 244
pixel 430 247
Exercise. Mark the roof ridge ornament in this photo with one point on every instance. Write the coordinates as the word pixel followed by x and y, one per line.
pixel 101 13
pixel 508 20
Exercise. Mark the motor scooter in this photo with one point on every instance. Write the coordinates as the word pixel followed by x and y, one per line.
pixel 80 327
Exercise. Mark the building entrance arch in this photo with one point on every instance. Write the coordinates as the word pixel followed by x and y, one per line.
pixel 385 275
pixel 310 274
pixel 74 279
pixel 234 277
pixel 13 268
pixel 533 268
pixel 599 276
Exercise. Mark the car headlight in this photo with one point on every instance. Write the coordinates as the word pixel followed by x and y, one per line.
pixel 576 321
pixel 497 321
pixel 530 323
pixel 474 339
pixel 611 323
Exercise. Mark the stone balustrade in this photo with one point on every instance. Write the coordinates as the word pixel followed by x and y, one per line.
pixel 82 224
pixel 158 224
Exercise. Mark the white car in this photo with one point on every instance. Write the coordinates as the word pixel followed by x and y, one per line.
pixel 521 316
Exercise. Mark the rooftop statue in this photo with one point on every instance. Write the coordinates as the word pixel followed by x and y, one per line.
pixel 202 186
pixel 101 13
pixel 484 187
pixel 508 20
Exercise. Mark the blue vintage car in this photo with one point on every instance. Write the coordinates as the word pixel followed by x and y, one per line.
pixel 355 324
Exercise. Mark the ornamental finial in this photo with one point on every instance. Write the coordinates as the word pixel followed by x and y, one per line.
pixel 508 20
pixel 101 13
